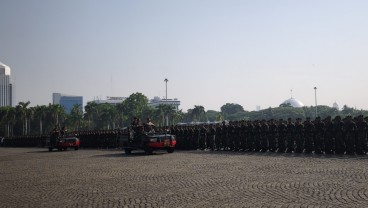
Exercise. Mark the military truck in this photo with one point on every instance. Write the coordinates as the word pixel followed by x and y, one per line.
pixel 149 142
pixel 60 143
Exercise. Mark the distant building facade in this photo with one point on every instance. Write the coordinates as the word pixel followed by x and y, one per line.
pixel 156 101
pixel 6 87
pixel 67 101
pixel 111 100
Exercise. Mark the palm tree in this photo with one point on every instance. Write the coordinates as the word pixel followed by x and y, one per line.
pixel 198 113
pixel 29 115
pixel 56 112
pixel 76 116
pixel 92 113
pixel 121 114
pixel 108 115
pixel 11 120
pixel 21 110
pixel 40 113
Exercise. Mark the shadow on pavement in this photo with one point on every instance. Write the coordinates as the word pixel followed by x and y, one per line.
pixel 133 154
pixel 275 154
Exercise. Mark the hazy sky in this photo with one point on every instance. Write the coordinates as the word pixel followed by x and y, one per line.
pixel 213 52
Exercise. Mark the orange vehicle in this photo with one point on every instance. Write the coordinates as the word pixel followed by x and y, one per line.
pixel 63 143
pixel 148 143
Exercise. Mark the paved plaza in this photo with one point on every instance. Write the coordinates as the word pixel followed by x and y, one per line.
pixel 34 177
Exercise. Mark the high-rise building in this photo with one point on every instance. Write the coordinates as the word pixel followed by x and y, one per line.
pixel 6 87
pixel 67 101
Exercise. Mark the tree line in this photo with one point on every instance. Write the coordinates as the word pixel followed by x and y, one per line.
pixel 41 119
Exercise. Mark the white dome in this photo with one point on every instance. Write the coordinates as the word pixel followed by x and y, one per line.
pixel 294 103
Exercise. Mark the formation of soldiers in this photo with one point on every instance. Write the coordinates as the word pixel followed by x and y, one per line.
pixel 329 136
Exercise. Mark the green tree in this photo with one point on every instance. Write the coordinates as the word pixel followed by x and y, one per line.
pixel 230 110
pixel 199 113
pixel 40 114
pixel 22 114
pixel 76 117
pixel 135 105
pixel 92 114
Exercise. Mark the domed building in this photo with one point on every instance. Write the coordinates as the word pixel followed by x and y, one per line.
pixel 293 103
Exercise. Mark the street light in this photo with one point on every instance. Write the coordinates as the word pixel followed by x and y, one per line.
pixel 166 80
pixel 167 118
pixel 315 99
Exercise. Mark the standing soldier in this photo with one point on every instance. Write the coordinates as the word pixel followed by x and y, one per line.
pixel 264 136
pixel 320 134
pixel 218 138
pixel 257 136
pixel 281 140
pixel 243 135
pixel 362 128
pixel 290 129
pixel 237 138
pixel 202 137
pixel 272 135
pixel 329 142
pixel 210 142
pixel 338 127
pixel 299 138
pixel 197 137
pixel 350 133
pixel 250 136
pixel 224 136
pixel 309 131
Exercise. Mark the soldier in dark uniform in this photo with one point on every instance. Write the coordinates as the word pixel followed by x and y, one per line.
pixel 250 136
pixel 197 137
pixel 257 136
pixel 210 139
pixel 203 137
pixel 299 137
pixel 329 143
pixel 224 136
pixel 281 139
pixel 361 142
pixel 319 137
pixel 264 136
pixel 218 138
pixel 290 130
pixel 272 132
pixel 230 138
pixel 338 127
pixel 243 135
pixel 237 136
pixel 309 131
pixel 350 133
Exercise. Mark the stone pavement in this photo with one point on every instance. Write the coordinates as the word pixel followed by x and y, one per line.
pixel 33 177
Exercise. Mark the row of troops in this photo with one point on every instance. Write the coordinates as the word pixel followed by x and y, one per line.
pixel 89 139
pixel 329 136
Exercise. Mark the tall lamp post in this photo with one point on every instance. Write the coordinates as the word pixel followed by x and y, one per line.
pixel 166 80
pixel 315 99
pixel 167 119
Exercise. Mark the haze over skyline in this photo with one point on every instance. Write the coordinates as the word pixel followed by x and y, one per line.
pixel 212 52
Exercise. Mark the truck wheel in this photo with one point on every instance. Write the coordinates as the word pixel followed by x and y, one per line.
pixel 76 148
pixel 148 151
pixel 65 148
pixel 50 149
pixel 59 149
pixel 128 151
pixel 170 150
